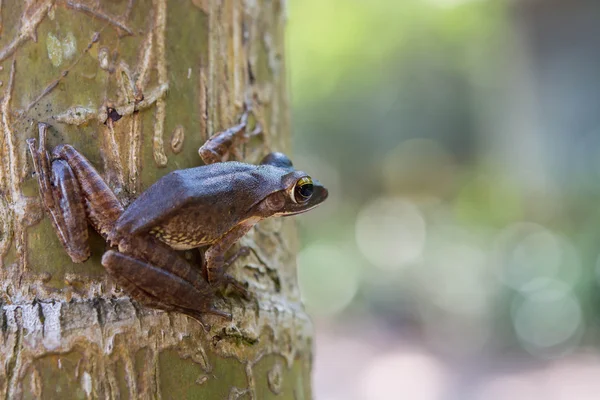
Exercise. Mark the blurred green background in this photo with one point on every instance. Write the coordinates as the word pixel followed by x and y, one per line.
pixel 457 256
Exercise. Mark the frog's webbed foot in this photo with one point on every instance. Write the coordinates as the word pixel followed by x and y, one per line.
pixel 200 316
pixel 228 280
pixel 224 280
pixel 242 252
pixel 61 198
pixel 159 288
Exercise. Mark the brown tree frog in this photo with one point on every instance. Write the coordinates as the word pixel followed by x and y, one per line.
pixel 210 206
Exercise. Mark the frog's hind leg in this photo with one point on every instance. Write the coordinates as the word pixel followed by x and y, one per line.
pixel 161 288
pixel 61 198
pixel 146 299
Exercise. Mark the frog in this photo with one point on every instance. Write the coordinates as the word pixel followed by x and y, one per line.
pixel 207 207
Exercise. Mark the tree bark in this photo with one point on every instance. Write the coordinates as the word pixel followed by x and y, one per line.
pixel 137 86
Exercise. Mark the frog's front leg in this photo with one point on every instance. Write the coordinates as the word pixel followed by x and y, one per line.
pixel 218 147
pixel 216 265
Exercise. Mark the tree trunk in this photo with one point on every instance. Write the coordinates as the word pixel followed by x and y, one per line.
pixel 137 86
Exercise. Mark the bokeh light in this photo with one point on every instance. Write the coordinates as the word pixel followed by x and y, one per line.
pixel 455 278
pixel 575 378
pixel 525 252
pixel 401 375
pixel 461 141
pixel 548 321
pixel 328 277
pixel 457 291
pixel 419 165
pixel 511 388
pixel 390 233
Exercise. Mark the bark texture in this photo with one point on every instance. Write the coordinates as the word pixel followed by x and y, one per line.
pixel 137 86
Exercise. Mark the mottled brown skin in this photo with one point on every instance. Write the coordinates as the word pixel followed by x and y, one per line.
pixel 213 205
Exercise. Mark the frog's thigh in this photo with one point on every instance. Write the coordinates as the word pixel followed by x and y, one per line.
pixel 68 213
pixel 168 291
pixel 103 207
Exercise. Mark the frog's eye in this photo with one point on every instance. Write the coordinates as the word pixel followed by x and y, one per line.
pixel 303 190
pixel 278 160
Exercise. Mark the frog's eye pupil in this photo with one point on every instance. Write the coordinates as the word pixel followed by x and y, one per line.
pixel 304 189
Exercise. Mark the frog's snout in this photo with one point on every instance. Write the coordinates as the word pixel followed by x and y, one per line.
pixel 320 192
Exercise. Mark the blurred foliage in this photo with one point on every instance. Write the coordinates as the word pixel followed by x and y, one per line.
pixel 403 110
pixel 367 75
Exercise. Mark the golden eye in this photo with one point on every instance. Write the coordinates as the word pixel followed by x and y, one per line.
pixel 303 190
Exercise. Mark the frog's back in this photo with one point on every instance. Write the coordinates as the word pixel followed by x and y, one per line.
pixel 192 207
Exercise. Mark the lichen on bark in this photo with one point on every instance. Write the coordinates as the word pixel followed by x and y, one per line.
pixel 138 86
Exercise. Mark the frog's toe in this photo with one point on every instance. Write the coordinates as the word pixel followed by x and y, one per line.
pixel 206 326
pixel 223 280
pixel 236 285
pixel 220 313
pixel 199 317
pixel 243 251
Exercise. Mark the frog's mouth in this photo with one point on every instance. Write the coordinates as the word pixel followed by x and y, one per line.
pixel 319 195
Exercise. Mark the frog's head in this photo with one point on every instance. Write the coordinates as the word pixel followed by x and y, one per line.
pixel 298 191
